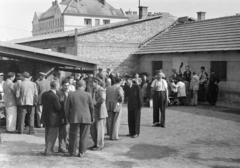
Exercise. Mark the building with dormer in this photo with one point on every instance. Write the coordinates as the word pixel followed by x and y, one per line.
pixel 70 14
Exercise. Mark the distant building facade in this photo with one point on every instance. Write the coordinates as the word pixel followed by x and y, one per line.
pixel 70 14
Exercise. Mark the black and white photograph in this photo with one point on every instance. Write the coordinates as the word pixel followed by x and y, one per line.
pixel 119 84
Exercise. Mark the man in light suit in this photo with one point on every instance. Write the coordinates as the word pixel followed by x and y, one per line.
pixel 79 112
pixel 100 114
pixel 10 103
pixel 51 117
pixel 43 85
pixel 194 86
pixel 114 100
pixel 27 96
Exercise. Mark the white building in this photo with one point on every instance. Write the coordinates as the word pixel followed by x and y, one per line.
pixel 71 14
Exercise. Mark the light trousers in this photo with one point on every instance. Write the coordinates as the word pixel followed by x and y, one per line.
pixel 195 97
pixel 97 131
pixel 11 118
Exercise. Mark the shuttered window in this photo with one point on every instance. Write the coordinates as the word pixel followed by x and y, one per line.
pixel 220 67
pixel 156 65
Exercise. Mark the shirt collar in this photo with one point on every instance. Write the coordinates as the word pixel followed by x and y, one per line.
pixel 54 91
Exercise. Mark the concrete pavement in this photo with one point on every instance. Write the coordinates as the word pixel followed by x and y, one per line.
pixel 194 137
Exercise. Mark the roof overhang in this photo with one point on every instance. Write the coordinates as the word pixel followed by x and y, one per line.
pixel 21 52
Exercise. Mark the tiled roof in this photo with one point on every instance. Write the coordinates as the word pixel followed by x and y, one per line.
pixel 93 7
pixel 84 7
pixel 221 34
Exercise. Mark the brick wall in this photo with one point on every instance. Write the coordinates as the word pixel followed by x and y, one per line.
pixel 116 56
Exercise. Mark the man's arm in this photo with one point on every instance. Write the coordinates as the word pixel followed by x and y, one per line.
pixel 139 95
pixel 101 99
pixel 56 103
pixel 91 107
pixel 67 106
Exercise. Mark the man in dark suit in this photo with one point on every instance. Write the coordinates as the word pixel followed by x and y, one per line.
pixel 134 107
pixel 213 87
pixel 111 76
pixel 51 116
pixel 79 112
pixel 43 85
pixel 63 136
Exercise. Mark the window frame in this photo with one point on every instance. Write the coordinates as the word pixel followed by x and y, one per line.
pixel 85 22
pixel 220 67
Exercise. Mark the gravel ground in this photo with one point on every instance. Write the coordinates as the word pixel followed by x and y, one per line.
pixel 194 137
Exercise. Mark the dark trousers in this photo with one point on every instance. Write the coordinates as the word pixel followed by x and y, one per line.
pixel 63 136
pixel 51 134
pixel 201 93
pixel 212 94
pixel 159 102
pixel 26 110
pixel 134 117
pixel 75 130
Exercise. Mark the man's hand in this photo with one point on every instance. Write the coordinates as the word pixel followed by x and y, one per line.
pixel 93 120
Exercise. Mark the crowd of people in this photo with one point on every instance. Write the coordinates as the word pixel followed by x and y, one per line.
pixel 83 105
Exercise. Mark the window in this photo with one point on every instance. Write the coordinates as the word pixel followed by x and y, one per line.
pixel 97 22
pixel 220 67
pixel 88 22
pixel 62 49
pixel 156 65
pixel 106 21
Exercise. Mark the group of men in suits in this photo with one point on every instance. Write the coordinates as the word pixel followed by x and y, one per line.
pixel 72 114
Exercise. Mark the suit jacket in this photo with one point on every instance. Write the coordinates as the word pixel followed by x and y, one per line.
pixel 9 93
pixel 42 86
pixel 63 99
pixel 27 93
pixel 114 95
pixel 79 107
pixel 51 109
pixel 134 97
pixel 100 110
pixel 194 84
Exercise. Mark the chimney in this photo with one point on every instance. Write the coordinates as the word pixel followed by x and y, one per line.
pixel 102 1
pixel 53 3
pixel 143 12
pixel 201 16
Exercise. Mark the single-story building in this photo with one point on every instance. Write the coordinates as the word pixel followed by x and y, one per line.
pixel 34 60
pixel 212 43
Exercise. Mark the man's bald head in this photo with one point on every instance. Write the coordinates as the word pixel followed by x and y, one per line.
pixel 81 84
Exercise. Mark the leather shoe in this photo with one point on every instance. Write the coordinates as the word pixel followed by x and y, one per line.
pixel 97 148
pixel 163 126
pixel 135 136
pixel 91 148
pixel 129 135
pixel 81 155
pixel 69 155
pixel 62 150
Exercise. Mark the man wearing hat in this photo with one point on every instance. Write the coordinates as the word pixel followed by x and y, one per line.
pixel 43 85
pixel 101 76
pixel 10 102
pixel 56 77
pixel 134 107
pixel 27 95
pixel 100 114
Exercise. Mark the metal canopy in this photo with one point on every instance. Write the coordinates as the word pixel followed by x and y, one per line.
pixel 21 52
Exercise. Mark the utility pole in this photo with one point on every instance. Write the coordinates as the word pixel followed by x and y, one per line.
pixel 139 3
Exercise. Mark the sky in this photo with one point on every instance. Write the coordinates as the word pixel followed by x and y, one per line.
pixel 16 15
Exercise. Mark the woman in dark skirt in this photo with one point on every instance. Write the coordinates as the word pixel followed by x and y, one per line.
pixel 160 99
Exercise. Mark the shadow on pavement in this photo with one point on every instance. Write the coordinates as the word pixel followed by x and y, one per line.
pixel 147 151
pixel 224 113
